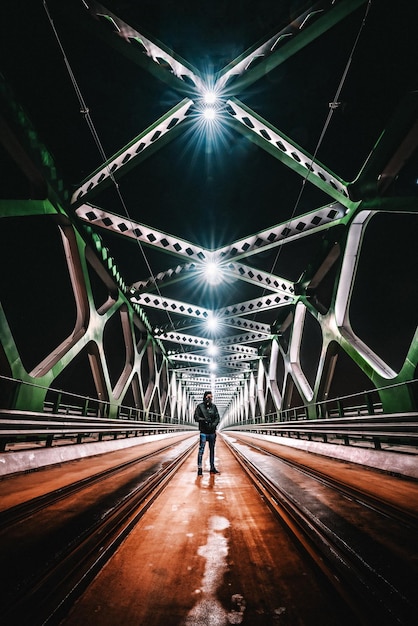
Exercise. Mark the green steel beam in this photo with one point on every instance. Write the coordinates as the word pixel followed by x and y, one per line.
pixel 23 208
pixel 26 134
pixel 394 147
pixel 262 133
pixel 139 47
pixel 262 57
pixel 142 146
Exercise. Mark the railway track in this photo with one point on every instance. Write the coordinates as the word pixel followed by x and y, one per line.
pixel 26 509
pixel 364 546
pixel 54 576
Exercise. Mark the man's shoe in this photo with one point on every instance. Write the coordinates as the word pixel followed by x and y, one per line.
pixel 214 471
pixel 199 471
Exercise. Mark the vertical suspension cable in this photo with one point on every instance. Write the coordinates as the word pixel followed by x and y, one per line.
pixel 84 110
pixel 332 107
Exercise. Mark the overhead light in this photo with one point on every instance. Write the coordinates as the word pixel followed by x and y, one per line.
pixel 213 350
pixel 210 97
pixel 212 322
pixel 212 271
pixel 209 113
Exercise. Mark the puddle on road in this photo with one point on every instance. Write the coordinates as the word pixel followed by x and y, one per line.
pixel 209 611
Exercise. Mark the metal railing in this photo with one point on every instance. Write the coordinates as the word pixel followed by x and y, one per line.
pixel 391 429
pixel 73 418
pixel 354 419
pixel 27 428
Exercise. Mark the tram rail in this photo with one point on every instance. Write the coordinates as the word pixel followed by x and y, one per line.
pixel 46 597
pixel 330 533
pixel 361 584
pixel 395 512
pixel 23 510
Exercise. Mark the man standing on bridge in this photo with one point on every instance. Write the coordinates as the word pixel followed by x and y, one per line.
pixel 208 417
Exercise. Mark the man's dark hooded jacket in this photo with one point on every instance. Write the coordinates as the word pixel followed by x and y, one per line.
pixel 207 415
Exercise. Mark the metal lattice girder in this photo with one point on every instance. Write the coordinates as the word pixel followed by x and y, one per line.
pixel 271 301
pixel 222 383
pixel 258 277
pixel 181 248
pixel 256 328
pixel 178 325
pixel 263 57
pixel 147 51
pixel 228 359
pixel 240 366
pixel 281 147
pixel 319 219
pixel 265 280
pixel 235 360
pixel 243 339
pixel 172 306
pixel 145 234
pixel 224 387
pixel 228 313
pixel 185 339
pixel 145 144
pixel 170 276
pixel 193 371
pixel 189 357
pixel 237 349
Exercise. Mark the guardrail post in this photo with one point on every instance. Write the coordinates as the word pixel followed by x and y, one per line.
pixel 369 403
pixel 49 440
pixel 57 403
pixel 86 407
pixel 322 413
pixel 340 408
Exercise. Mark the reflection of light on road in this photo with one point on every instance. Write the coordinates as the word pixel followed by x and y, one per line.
pixel 215 552
pixel 209 611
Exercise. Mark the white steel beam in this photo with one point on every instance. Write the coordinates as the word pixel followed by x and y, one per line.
pixel 189 357
pixel 271 301
pixel 244 339
pixel 155 51
pixel 185 339
pixel 239 349
pixel 265 56
pixel 128 156
pixel 280 146
pixel 145 234
pixel 181 248
pixel 257 277
pixel 314 221
pixel 170 305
